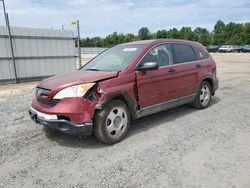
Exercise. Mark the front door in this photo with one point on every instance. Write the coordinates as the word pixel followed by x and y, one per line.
pixel 158 86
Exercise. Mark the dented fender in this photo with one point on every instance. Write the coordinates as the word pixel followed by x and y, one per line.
pixel 121 90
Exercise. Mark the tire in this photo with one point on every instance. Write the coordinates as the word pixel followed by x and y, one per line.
pixel 203 96
pixel 111 124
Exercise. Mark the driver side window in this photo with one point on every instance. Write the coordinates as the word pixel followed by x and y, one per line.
pixel 162 54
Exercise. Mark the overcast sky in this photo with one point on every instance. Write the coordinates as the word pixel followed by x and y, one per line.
pixel 102 17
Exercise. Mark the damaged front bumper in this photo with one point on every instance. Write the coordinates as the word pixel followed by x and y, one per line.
pixel 64 126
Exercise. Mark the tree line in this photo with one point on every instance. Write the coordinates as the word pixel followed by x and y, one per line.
pixel 231 33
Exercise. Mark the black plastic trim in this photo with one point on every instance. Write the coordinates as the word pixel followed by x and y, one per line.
pixel 63 126
pixel 165 106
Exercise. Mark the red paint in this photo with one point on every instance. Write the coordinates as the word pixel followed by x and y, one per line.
pixel 145 88
pixel 59 82
pixel 79 110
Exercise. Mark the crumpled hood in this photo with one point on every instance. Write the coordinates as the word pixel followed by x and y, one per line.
pixel 76 77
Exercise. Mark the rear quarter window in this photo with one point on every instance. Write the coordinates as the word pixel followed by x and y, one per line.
pixel 200 54
pixel 183 53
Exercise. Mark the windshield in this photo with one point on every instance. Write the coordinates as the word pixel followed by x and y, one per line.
pixel 114 59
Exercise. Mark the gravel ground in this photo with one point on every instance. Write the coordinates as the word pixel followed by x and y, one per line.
pixel 182 147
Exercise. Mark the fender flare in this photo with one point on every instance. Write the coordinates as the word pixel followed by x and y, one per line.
pixel 204 78
pixel 128 99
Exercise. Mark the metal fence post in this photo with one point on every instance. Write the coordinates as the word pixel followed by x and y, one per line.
pixel 78 44
pixel 11 48
pixel 4 10
pixel 10 40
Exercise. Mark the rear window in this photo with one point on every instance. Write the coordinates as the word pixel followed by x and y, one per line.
pixel 183 53
pixel 200 54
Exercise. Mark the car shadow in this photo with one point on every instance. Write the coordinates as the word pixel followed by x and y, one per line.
pixel 214 101
pixel 157 119
pixel 137 126
pixel 73 141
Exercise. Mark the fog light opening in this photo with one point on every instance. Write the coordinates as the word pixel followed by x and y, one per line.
pixel 63 127
pixel 63 118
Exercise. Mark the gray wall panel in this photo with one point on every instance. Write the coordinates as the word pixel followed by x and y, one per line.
pixel 38 52
pixel 6 70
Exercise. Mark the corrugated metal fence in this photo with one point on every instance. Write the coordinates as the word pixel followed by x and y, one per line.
pixel 91 50
pixel 38 53
pixel 88 53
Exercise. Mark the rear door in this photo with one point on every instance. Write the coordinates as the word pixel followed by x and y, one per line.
pixel 187 66
pixel 158 86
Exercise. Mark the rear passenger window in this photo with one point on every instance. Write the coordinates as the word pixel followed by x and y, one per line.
pixel 161 54
pixel 183 53
pixel 200 54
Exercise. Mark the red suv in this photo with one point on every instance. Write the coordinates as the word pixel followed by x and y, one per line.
pixel 124 83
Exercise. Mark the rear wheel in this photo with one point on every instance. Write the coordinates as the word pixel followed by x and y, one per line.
pixel 203 96
pixel 112 122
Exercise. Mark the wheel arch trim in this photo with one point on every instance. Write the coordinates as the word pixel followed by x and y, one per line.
pixel 209 79
pixel 125 97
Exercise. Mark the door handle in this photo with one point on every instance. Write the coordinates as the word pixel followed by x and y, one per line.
pixel 198 65
pixel 171 70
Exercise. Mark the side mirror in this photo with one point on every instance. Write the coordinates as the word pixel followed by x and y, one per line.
pixel 148 66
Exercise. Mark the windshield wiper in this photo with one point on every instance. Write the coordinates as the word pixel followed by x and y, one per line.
pixel 92 69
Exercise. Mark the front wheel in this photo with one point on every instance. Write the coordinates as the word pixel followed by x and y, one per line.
pixel 112 122
pixel 203 96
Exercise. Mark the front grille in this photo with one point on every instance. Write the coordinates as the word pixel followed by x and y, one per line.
pixel 47 102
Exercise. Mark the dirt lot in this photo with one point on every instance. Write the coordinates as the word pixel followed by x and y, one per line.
pixel 182 147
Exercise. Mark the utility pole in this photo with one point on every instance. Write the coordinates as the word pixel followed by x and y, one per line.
pixel 10 40
pixel 78 44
